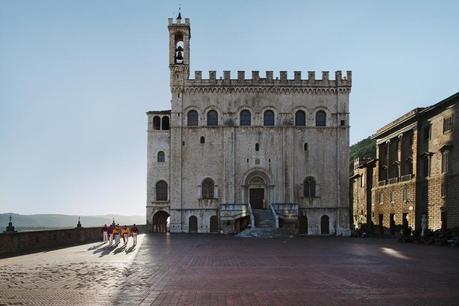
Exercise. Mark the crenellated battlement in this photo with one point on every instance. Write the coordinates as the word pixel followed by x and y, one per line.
pixel 270 80
pixel 178 21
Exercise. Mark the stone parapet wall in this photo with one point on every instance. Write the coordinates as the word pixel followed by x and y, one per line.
pixel 29 242
pixel 270 80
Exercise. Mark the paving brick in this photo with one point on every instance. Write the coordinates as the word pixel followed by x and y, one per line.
pixel 222 270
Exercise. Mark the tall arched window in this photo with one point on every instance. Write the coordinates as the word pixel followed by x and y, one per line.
pixel 300 118
pixel 161 157
pixel 309 189
pixel 212 118
pixel 156 123
pixel 161 191
pixel 321 118
pixel 268 118
pixel 192 118
pixel 207 189
pixel 165 123
pixel 245 118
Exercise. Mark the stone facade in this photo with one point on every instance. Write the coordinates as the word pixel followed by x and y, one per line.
pixel 361 196
pixel 417 168
pixel 228 142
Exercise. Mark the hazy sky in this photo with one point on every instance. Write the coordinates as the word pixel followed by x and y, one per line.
pixel 76 78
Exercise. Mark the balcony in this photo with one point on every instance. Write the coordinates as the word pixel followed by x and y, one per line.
pixel 406 177
pixel 233 211
pixel 394 180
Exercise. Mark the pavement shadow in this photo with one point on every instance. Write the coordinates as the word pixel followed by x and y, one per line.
pixel 129 250
pixel 119 250
pixel 94 247
pixel 105 250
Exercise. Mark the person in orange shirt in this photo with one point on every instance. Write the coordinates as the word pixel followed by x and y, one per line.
pixel 116 234
pixel 134 232
pixel 125 235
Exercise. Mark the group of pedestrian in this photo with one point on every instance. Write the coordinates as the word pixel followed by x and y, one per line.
pixel 115 233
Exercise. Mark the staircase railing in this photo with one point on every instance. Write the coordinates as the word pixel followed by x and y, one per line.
pixel 276 217
pixel 252 218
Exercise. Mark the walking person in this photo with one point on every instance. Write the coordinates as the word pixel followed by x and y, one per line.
pixel 116 234
pixel 125 235
pixel 110 235
pixel 134 232
pixel 105 233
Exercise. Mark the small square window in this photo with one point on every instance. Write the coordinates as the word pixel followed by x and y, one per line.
pixel 448 124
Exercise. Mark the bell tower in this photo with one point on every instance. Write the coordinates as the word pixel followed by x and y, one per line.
pixel 179 50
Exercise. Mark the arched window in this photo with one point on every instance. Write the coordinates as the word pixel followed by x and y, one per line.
pixel 192 118
pixel 193 224
pixel 212 118
pixel 161 191
pixel 325 225
pixel 161 158
pixel 268 118
pixel 207 189
pixel 245 118
pixel 321 118
pixel 300 118
pixel 156 123
pixel 309 185
pixel 165 123
pixel 213 224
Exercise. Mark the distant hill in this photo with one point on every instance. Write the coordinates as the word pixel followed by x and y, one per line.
pixel 44 221
pixel 363 148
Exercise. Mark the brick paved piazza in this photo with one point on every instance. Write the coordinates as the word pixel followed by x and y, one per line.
pixel 216 270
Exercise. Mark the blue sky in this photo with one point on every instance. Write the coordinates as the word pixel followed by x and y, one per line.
pixel 76 78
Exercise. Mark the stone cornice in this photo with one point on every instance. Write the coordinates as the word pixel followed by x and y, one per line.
pixel 261 89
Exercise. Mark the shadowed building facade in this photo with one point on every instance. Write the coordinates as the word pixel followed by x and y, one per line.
pixel 232 145
pixel 416 172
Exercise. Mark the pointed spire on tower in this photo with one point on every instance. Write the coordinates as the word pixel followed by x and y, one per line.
pixel 179 17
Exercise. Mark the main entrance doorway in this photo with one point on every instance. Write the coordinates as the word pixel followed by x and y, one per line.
pixel 257 196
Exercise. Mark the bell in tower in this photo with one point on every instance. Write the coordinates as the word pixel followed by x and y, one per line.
pixel 179 49
pixel 179 55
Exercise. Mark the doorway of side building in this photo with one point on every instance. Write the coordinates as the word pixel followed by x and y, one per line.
pixel 161 222
pixel 325 225
pixel 392 223
pixel 257 197
pixel 303 225
pixel 213 224
pixel 193 224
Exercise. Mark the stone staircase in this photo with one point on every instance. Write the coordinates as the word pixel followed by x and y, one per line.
pixel 263 218
pixel 264 226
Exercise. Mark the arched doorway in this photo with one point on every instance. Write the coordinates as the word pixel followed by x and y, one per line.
pixel 257 192
pixel 160 222
pixel 257 188
pixel 302 225
pixel 193 224
pixel 325 225
pixel 213 224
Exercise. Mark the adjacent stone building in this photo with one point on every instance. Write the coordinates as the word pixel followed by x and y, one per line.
pixel 232 145
pixel 416 170
pixel 361 192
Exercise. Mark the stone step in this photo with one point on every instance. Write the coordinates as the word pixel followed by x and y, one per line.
pixel 263 218
pixel 265 233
